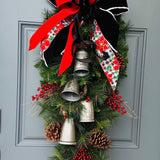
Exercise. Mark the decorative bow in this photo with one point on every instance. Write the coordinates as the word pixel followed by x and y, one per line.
pixel 58 33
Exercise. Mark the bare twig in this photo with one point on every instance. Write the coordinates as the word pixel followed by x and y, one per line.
pixel 132 114
pixel 33 106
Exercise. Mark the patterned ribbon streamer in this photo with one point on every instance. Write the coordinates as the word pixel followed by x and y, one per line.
pixel 56 34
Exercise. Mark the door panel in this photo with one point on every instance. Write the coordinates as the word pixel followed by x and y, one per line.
pixel 126 131
pixel 22 130
pixel 30 127
pixel 143 54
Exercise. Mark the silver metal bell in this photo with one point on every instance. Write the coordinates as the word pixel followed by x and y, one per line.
pixel 87 113
pixel 71 91
pixel 68 133
pixel 81 68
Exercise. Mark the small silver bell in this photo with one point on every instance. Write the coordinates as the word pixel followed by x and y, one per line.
pixel 68 133
pixel 87 113
pixel 71 91
pixel 81 68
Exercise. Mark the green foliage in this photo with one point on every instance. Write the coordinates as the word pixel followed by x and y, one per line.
pixel 86 29
pixel 47 14
pixel 98 89
pixel 122 46
pixel 64 152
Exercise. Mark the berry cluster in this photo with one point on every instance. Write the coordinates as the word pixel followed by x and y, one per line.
pixel 82 154
pixel 88 99
pixel 114 101
pixel 46 91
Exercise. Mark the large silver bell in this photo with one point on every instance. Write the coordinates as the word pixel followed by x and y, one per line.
pixel 68 133
pixel 81 68
pixel 87 113
pixel 71 91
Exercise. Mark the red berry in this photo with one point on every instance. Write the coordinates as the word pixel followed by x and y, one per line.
pixel 46 96
pixel 86 100
pixel 124 111
pixel 33 98
pixel 42 95
pixel 42 85
pixel 38 88
pixel 120 97
pixel 117 92
pixel 37 99
pixel 41 92
pixel 64 117
pixel 123 108
pixel 114 109
pixel 119 110
pixel 118 106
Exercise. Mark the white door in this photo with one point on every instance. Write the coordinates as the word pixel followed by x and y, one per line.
pixel 22 130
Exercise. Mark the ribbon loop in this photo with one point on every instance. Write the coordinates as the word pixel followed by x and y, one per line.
pixel 49 24
pixel 102 13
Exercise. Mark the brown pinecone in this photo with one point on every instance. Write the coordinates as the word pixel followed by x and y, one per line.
pixel 99 139
pixel 121 60
pixel 53 131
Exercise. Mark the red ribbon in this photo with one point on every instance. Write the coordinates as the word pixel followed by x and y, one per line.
pixel 49 24
pixel 67 56
pixel 52 22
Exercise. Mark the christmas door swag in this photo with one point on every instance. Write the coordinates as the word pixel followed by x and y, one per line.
pixel 86 106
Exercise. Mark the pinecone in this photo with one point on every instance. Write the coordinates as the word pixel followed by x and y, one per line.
pixel 53 131
pixel 99 140
pixel 121 60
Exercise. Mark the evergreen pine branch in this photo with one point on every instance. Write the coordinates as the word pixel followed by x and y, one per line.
pixel 98 89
